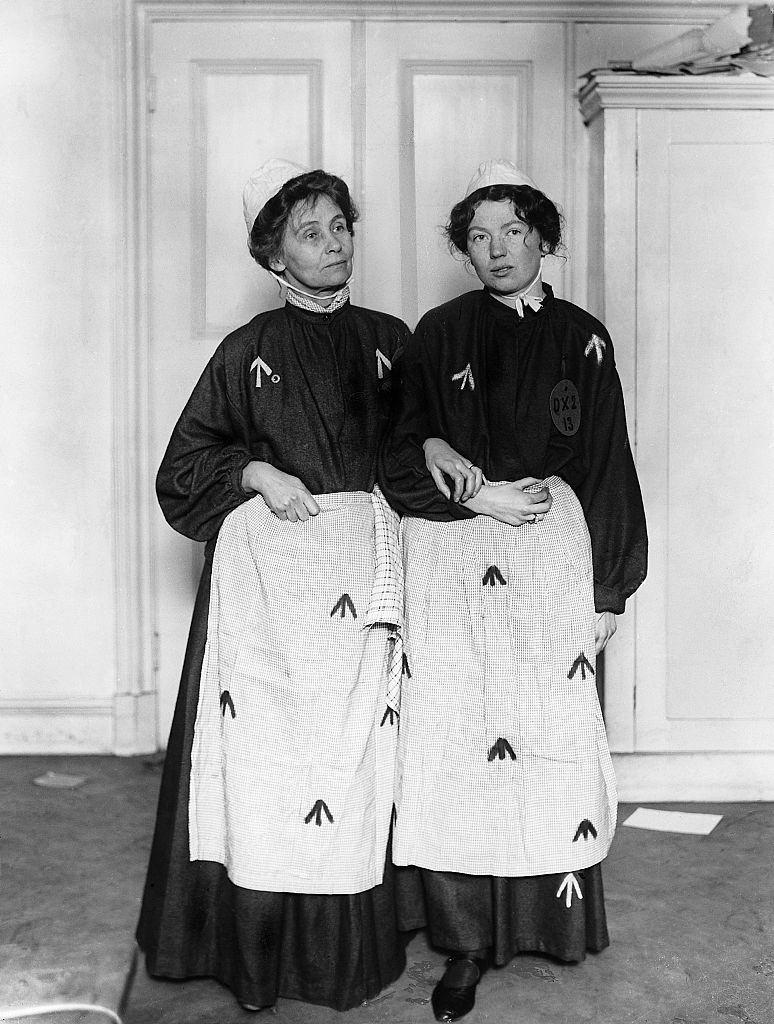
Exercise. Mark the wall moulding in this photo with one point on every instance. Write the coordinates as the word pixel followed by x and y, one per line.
pixel 606 91
pixel 702 776
pixel 56 725
pixel 132 567
pixel 56 706
pixel 646 11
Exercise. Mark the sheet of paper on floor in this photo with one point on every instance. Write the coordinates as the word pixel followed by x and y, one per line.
pixel 687 822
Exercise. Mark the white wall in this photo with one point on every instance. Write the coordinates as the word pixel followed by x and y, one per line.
pixel 59 211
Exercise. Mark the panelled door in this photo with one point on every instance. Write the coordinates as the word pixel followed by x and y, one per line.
pixel 403 111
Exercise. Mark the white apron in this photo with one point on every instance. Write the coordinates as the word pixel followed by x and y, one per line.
pixel 503 764
pixel 294 746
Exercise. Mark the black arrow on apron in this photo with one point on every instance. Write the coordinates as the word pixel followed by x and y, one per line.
pixel 492 576
pixel 500 749
pixel 317 811
pixel 584 829
pixel 581 663
pixel 391 713
pixel 227 702
pixel 341 606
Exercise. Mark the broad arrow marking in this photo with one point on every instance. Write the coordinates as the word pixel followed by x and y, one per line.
pixel 227 702
pixel 584 829
pixel 581 663
pixel 317 811
pixel 381 362
pixel 344 602
pixel 568 886
pixel 500 749
pixel 390 713
pixel 466 376
pixel 258 365
pixel 492 576
pixel 597 345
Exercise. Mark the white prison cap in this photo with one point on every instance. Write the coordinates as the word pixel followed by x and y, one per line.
pixel 264 183
pixel 498 172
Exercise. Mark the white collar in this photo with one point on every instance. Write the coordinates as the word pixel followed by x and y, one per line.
pixel 306 300
pixel 531 296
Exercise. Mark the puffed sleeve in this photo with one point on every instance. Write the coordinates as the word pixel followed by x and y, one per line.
pixel 403 474
pixel 612 503
pixel 200 478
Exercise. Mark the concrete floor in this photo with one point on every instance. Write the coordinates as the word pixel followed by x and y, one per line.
pixel 691 920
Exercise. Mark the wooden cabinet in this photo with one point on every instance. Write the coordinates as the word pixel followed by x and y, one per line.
pixel 681 269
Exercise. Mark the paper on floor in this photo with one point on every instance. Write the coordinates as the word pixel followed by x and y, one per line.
pixel 673 821
pixel 57 780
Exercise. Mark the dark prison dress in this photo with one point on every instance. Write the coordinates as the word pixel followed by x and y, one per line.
pixel 505 792
pixel 310 394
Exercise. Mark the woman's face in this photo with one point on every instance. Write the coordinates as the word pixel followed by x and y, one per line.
pixel 316 251
pixel 505 252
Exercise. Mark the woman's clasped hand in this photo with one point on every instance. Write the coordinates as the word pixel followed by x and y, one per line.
pixel 509 503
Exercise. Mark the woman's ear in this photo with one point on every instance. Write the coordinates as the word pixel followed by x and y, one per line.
pixel 276 264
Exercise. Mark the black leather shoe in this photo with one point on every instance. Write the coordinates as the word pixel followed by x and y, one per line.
pixel 455 993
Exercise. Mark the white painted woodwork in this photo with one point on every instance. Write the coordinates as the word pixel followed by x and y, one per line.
pixel 684 171
pixel 697 776
pixel 59 284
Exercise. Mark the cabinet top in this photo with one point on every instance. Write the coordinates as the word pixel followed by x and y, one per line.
pixel 607 89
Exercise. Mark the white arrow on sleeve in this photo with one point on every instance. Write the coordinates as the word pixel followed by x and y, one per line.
pixel 569 884
pixel 466 376
pixel 258 365
pixel 381 362
pixel 597 345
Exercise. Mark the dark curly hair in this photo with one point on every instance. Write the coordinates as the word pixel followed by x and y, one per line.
pixel 535 209
pixel 269 227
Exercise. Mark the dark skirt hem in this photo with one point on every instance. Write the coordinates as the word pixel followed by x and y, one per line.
pixel 523 944
pixel 509 916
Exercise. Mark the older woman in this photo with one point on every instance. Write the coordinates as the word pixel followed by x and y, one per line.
pixel 268 864
pixel 524 535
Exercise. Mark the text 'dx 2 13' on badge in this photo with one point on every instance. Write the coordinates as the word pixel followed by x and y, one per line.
pixel 565 408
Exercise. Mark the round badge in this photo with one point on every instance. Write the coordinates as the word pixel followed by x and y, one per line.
pixel 565 408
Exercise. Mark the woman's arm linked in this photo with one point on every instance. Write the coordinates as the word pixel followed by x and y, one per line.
pixel 509 503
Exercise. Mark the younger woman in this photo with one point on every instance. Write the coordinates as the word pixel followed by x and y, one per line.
pixel 524 535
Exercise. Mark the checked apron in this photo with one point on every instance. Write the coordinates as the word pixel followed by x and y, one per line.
pixel 503 764
pixel 294 746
